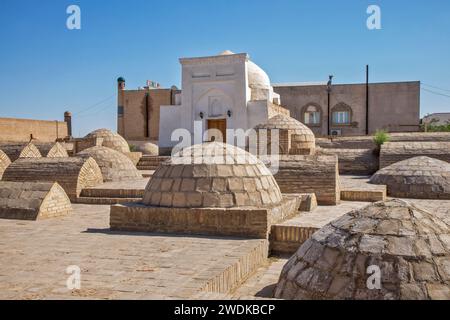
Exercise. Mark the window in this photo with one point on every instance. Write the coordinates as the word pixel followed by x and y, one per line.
pixel 312 115
pixel 341 117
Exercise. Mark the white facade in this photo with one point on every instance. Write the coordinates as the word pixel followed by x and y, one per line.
pixel 227 86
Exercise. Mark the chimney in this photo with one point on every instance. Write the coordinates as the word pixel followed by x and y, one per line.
pixel 68 120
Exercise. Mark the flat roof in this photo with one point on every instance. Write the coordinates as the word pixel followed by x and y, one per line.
pixel 306 84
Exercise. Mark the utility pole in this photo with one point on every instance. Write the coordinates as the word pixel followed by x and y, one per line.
pixel 367 99
pixel 329 88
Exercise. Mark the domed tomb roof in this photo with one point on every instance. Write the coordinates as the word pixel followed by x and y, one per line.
pixel 212 175
pixel 257 77
pixel 149 148
pixel 110 139
pixel 419 177
pixel 302 139
pixel 409 248
pixel 115 166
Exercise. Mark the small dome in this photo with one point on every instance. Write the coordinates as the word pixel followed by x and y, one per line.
pixel 419 177
pixel 115 166
pixel 226 53
pixel 149 149
pixel 121 79
pixel 257 77
pixel 110 139
pixel 212 175
pixel 409 247
pixel 302 139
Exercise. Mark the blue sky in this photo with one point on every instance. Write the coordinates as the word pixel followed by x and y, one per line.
pixel 46 69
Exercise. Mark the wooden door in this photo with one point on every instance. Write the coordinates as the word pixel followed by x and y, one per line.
pixel 217 129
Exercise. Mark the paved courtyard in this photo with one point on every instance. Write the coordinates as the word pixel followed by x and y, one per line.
pixel 34 257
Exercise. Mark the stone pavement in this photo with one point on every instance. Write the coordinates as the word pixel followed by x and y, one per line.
pixel 34 257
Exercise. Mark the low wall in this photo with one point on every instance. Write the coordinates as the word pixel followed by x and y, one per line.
pixel 73 174
pixel 366 142
pixel 317 174
pixel 22 130
pixel 393 152
pixel 354 161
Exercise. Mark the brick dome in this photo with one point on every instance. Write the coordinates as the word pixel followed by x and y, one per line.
pixel 419 177
pixel 110 139
pixel 212 175
pixel 411 248
pixel 149 148
pixel 114 165
pixel 295 137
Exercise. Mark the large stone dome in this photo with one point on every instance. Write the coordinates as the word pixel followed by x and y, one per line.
pixel 409 247
pixel 419 177
pixel 295 137
pixel 114 165
pixel 212 175
pixel 110 139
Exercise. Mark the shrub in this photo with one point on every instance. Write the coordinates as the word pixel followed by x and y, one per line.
pixel 133 148
pixel 381 136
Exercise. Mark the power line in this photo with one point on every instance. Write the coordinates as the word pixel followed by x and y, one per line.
pixel 434 87
pixel 98 111
pixel 94 105
pixel 437 93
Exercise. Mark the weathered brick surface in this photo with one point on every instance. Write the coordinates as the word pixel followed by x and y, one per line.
pixel 353 161
pixel 148 162
pixel 32 200
pixel 73 174
pixel 20 150
pixel 134 157
pixel 52 150
pixel 212 175
pixel 241 222
pixel 110 139
pixel 419 178
pixel 294 136
pixel 115 166
pixel 393 152
pixel 410 246
pixel 310 174
pixel 4 163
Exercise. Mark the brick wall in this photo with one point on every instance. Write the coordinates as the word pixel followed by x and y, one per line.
pixel 354 161
pixel 20 130
pixel 310 174
pixel 393 152
pixel 21 150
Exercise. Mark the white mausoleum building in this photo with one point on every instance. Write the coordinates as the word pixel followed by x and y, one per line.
pixel 227 91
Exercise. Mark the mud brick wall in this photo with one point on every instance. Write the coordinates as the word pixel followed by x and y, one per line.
pixel 32 200
pixel 354 161
pixel 393 152
pixel 21 130
pixel 317 174
pixel 73 174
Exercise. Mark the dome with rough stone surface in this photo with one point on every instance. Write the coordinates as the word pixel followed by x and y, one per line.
pixel 149 149
pixel 114 165
pixel 212 175
pixel 110 140
pixel 419 177
pixel 388 250
pixel 294 136
pixel 4 163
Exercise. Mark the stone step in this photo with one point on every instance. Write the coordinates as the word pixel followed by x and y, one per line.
pixel 363 195
pixel 286 239
pixel 112 193
pixel 108 201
